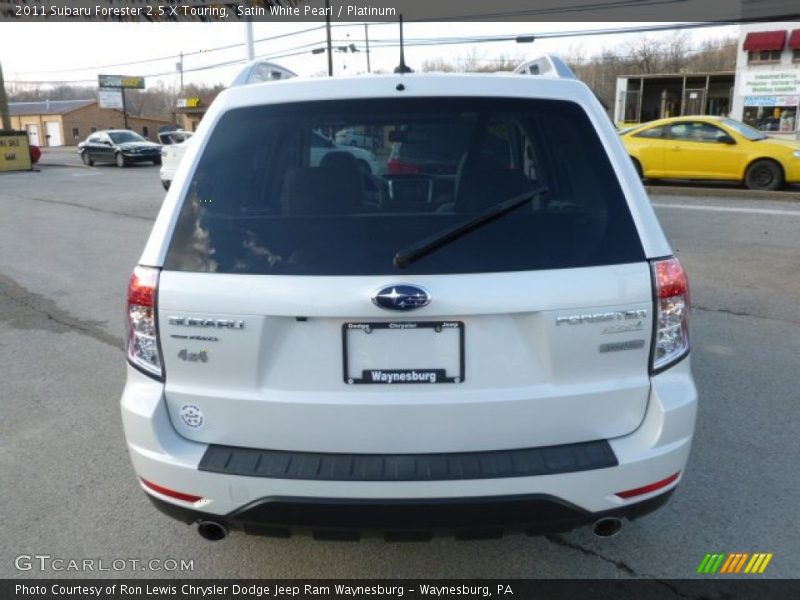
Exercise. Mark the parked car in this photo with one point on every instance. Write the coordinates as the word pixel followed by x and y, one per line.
pixel 168 138
pixel 321 145
pixel 302 357
pixel 255 72
pixel 118 146
pixel 35 152
pixel 712 148
pixel 172 153
pixel 436 148
pixel 351 137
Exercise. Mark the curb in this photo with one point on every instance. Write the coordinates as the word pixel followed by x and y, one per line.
pixel 709 192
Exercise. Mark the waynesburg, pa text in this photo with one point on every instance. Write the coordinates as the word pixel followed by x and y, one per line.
pixel 259 591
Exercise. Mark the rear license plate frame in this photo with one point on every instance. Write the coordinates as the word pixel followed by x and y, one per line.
pixel 441 375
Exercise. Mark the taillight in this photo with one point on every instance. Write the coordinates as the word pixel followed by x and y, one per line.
pixel 671 339
pixel 143 351
pixel 171 493
pixel 646 489
pixel 400 167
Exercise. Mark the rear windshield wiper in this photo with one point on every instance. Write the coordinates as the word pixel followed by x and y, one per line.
pixel 414 252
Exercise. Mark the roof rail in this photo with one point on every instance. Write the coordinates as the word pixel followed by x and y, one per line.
pixel 546 65
pixel 258 71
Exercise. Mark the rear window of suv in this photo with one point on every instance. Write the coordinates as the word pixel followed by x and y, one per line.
pixel 274 194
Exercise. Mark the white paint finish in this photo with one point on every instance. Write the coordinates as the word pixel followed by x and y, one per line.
pixel 351 296
pixel 535 382
pixel 279 383
pixel 659 448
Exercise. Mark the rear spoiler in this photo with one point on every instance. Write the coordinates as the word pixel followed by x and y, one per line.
pixel 259 71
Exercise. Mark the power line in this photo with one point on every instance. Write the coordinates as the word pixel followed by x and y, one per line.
pixel 472 39
pixel 390 42
pixel 172 56
pixel 387 43
pixel 595 6
pixel 285 53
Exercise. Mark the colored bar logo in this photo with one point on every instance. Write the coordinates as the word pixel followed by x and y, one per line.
pixel 734 563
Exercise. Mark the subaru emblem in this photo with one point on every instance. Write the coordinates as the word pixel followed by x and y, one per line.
pixel 401 297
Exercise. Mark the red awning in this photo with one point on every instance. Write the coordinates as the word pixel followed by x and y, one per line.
pixel 794 40
pixel 764 40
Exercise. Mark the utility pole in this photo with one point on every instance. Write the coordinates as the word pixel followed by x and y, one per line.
pixel 180 68
pixel 328 33
pixel 4 113
pixel 248 34
pixel 124 109
pixel 366 38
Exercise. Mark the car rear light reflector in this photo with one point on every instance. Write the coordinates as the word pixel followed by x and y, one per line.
pixel 671 335
pixel 143 351
pixel 170 493
pixel 649 488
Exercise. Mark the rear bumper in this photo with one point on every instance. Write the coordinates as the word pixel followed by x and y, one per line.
pixel 658 448
pixel 409 520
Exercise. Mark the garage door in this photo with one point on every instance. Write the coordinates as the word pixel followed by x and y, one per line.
pixel 53 130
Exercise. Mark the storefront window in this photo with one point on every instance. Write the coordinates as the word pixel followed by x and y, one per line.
pixel 771 113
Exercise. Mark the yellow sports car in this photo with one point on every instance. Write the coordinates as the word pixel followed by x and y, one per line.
pixel 715 148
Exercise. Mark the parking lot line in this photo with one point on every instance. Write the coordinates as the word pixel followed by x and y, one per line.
pixel 754 211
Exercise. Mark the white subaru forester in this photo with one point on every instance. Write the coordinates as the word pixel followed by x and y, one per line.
pixel 488 334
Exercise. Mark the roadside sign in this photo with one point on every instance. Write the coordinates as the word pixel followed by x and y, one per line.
pixel 188 103
pixel 118 84
pixel 14 151
pixel 121 81
pixel 110 98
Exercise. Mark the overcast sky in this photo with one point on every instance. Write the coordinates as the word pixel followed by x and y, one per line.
pixel 55 51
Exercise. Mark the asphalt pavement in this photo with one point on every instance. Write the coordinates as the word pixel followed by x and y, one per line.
pixel 69 237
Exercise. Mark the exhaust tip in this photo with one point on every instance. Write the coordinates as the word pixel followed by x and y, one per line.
pixel 212 531
pixel 607 527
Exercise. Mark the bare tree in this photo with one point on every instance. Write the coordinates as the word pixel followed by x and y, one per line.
pixel 438 65
pixel 715 55
pixel 472 62
pixel 675 52
pixel 501 63
pixel 645 54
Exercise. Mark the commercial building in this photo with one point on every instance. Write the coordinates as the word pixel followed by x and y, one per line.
pixel 768 77
pixel 67 122
pixel 643 98
pixel 188 112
